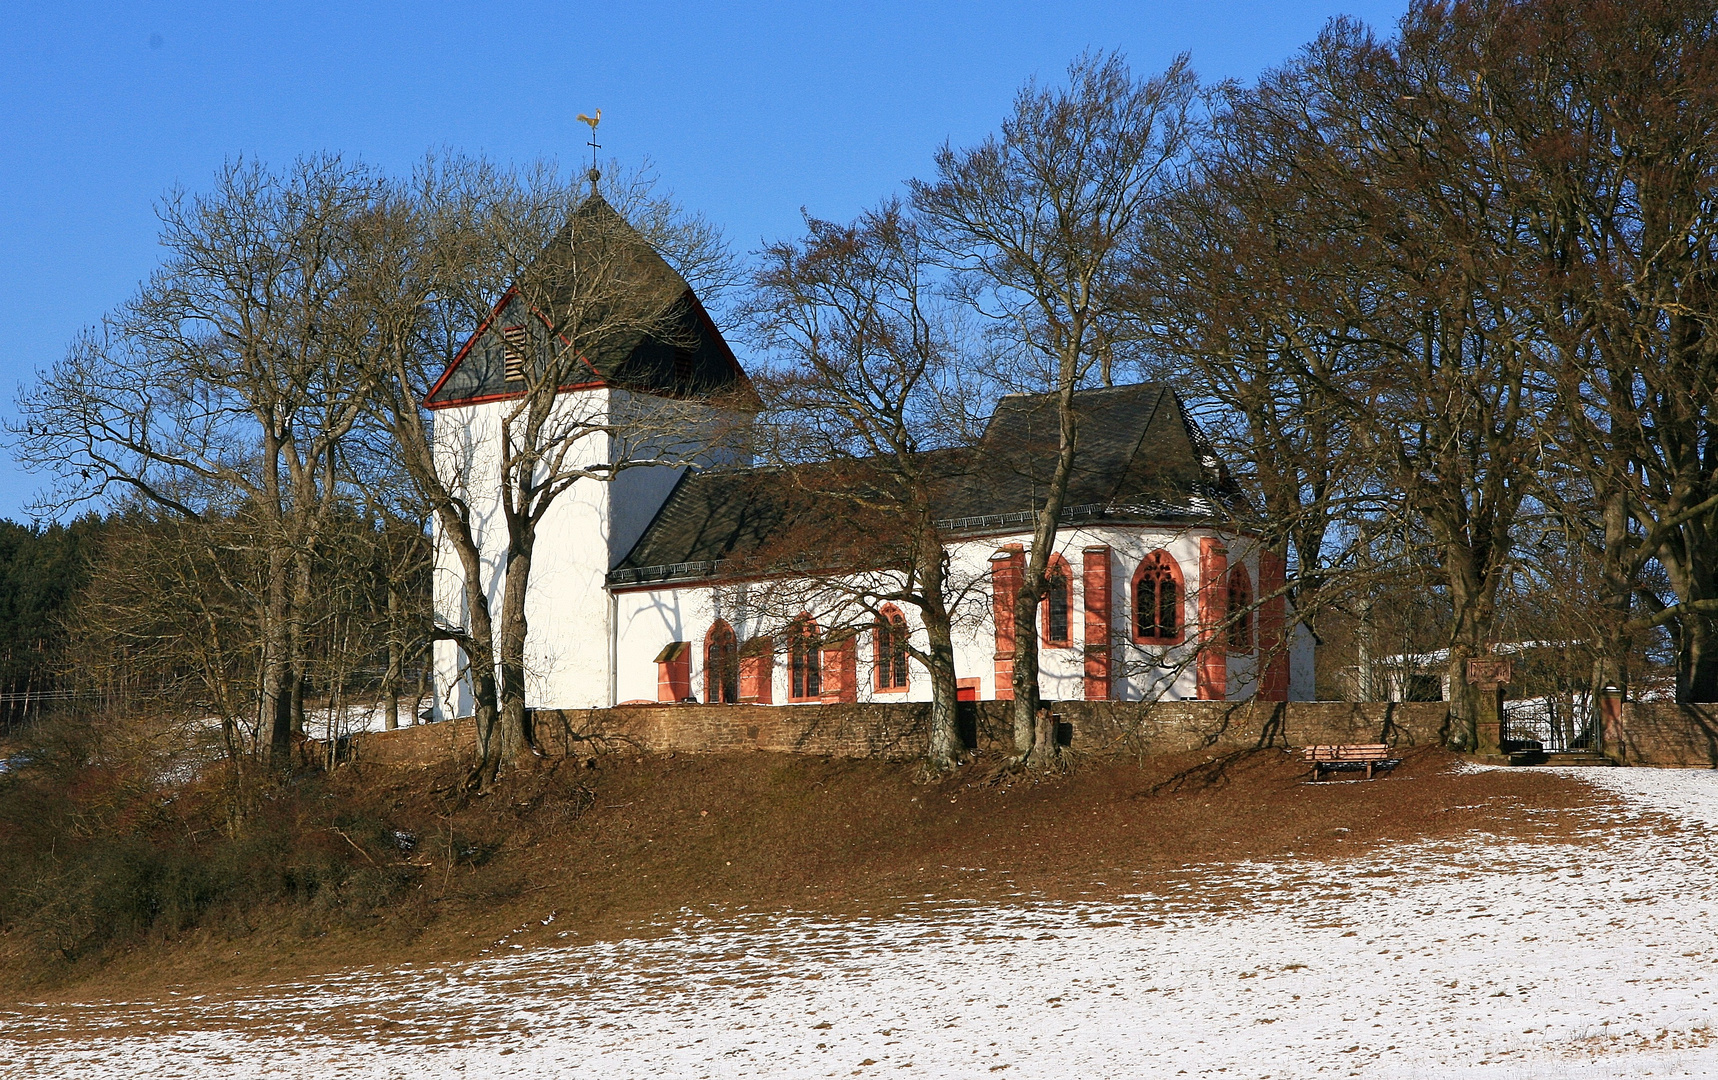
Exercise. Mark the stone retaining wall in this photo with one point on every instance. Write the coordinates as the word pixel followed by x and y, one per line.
pixel 899 731
pixel 1176 726
pixel 1666 734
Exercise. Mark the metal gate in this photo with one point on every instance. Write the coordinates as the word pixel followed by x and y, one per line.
pixel 1558 724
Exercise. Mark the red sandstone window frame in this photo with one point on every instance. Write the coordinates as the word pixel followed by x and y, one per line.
pixel 1154 571
pixel 1239 634
pixel 889 669
pixel 1058 582
pixel 721 665
pixel 804 659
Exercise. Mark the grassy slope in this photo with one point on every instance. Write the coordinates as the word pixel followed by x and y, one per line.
pixel 611 849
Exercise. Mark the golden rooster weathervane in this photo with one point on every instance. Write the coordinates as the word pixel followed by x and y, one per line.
pixel 593 121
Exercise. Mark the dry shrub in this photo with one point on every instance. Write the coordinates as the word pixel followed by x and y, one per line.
pixel 113 835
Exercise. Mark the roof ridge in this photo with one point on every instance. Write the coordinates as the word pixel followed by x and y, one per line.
pixel 1085 390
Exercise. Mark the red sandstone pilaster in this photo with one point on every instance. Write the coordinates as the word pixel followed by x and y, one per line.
pixel 841 670
pixel 1213 670
pixel 1096 575
pixel 1007 571
pixel 757 673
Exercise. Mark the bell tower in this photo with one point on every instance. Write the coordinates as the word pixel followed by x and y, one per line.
pixel 597 380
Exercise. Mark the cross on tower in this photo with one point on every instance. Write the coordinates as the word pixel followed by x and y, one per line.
pixel 593 121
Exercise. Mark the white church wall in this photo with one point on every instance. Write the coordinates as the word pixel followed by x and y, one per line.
pixel 678 430
pixel 1147 672
pixel 466 443
pixel 588 648
pixel 649 618
pixel 1302 683
pixel 567 609
pixel 569 656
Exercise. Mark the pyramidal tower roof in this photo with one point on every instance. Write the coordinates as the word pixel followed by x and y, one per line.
pixel 602 291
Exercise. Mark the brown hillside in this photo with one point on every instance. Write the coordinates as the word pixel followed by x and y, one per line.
pixel 608 850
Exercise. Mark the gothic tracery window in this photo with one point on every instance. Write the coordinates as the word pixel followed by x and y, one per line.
pixel 1157 596
pixel 721 665
pixel 805 659
pixel 890 660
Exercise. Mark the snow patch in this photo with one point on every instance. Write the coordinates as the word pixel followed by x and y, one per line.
pixel 1480 958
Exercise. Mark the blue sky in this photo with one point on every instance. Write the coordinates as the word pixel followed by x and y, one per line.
pixel 748 111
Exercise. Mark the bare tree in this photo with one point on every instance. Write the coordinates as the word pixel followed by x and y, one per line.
pixel 423 271
pixel 1395 295
pixel 1602 121
pixel 216 382
pixel 1038 223
pixel 870 392
pixel 1224 282
pixel 170 623
pixel 566 289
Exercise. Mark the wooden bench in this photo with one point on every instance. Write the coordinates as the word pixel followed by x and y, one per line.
pixel 1368 756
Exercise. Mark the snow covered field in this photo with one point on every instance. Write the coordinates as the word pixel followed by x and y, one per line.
pixel 1487 958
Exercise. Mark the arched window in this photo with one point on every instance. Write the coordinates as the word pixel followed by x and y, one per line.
pixel 805 659
pixel 889 660
pixel 1157 598
pixel 1240 609
pixel 721 665
pixel 1058 603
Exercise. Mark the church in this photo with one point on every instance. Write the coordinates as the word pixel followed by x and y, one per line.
pixel 645 586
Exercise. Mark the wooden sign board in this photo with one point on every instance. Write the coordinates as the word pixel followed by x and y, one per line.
pixel 1489 672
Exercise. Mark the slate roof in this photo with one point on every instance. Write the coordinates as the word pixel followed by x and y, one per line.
pixel 1139 458
pixel 662 341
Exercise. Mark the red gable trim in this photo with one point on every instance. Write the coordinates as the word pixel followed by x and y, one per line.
pixel 597 380
pixel 459 357
pixel 483 328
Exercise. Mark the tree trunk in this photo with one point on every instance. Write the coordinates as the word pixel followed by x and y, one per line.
pixel 480 659
pixel 392 678
pixel 277 663
pixel 945 747
pixel 1470 631
pixel 1699 670
pixel 945 699
pixel 277 681
pixel 1612 637
pixel 1364 690
pixel 945 744
pixel 1026 692
pixel 1463 702
pixel 296 636
pixel 1691 579
pixel 1696 660
pixel 1025 682
pixel 507 738
pixel 1044 737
